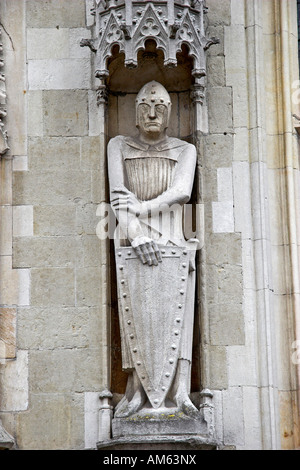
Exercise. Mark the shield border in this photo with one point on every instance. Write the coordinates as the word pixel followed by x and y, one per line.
pixel 123 256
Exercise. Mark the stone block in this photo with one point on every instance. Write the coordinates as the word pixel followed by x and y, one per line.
pixel 224 248
pixel 45 252
pixel 241 146
pixel 77 328
pixel 216 75
pixel 226 324
pixel 220 117
pixel 252 418
pixel 242 199
pixel 225 189
pixel 53 153
pixel 55 14
pixel 52 286
pixel 54 423
pixel 242 369
pixel 91 151
pixel 65 112
pixel 52 187
pixel 20 163
pixel 35 113
pixel 57 74
pixel 7 333
pixel 47 43
pixel 219 13
pixel 14 384
pixel 95 123
pixel 223 217
pixel 54 220
pixel 218 151
pixel 234 432
pixel 5 182
pixel 218 368
pixel 87 220
pixel 6 230
pixel 23 221
pixel 8 282
pixel 65 370
pixel 91 418
pixel 75 50
pixel 24 284
pixel 91 247
pixel 88 286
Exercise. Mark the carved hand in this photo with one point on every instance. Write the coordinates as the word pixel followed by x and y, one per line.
pixel 147 250
pixel 126 200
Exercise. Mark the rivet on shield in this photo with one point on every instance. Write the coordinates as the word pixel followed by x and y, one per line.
pixel 167 374
pixel 131 336
pixel 174 346
pixel 124 295
pixel 138 363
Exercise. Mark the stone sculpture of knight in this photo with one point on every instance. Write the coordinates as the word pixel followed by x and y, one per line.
pixel 151 177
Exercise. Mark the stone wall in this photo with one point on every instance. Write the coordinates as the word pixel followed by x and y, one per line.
pixel 52 285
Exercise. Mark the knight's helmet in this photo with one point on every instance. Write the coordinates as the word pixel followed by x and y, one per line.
pixel 154 93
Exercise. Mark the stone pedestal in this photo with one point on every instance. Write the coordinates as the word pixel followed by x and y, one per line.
pixel 162 429
pixel 166 443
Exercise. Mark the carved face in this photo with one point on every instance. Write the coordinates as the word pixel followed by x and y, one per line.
pixel 152 118
pixel 153 109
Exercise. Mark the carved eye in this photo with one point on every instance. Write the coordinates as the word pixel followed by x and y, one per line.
pixel 160 108
pixel 144 107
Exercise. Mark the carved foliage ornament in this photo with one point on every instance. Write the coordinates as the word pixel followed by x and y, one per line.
pixel 129 24
pixel 3 134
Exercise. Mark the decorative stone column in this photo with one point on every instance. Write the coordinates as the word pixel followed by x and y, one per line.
pixel 6 441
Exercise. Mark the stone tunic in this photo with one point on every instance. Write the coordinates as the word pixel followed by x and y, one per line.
pixel 149 172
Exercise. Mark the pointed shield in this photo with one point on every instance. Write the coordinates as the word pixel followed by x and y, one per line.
pixel 152 301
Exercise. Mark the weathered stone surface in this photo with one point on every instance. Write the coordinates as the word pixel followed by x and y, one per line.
pixel 55 14
pixel 7 333
pixel 227 324
pixel 52 286
pixel 88 290
pixel 220 110
pixel 218 367
pixel 79 327
pixel 54 220
pixel 65 112
pixel 52 187
pixel 55 74
pixel 79 370
pixel 166 443
pixel 53 153
pixel 38 252
pixel 55 422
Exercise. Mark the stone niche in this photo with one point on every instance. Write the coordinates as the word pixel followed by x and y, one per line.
pixel 136 43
